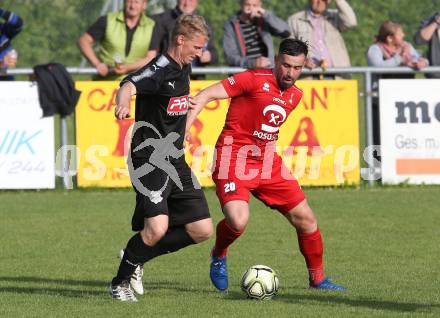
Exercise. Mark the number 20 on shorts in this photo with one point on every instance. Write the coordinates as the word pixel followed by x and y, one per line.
pixel 229 187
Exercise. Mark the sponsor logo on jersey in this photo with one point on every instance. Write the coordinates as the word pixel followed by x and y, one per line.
pixel 231 80
pixel 172 83
pixel 275 116
pixel 279 100
pixel 265 135
pixel 178 106
pixel 266 87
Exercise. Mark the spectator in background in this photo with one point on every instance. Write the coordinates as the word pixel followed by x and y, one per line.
pixel 162 31
pixel 429 32
pixel 321 27
pixel 247 38
pixel 390 50
pixel 123 37
pixel 12 25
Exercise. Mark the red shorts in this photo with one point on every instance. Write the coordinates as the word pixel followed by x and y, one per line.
pixel 272 183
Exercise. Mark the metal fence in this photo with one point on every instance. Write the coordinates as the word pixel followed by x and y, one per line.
pixel 367 93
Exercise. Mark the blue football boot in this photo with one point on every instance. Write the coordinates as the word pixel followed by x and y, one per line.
pixel 329 285
pixel 219 272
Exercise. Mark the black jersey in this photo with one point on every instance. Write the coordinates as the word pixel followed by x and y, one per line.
pixel 162 89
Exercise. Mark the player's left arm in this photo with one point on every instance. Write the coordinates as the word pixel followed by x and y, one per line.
pixel 196 103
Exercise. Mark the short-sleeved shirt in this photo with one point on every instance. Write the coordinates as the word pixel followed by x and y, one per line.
pixel 258 108
pixel 162 89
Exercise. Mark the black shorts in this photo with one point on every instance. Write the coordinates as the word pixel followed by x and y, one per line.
pixel 182 206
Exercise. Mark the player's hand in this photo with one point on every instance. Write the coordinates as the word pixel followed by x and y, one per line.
pixel 193 102
pixel 122 111
pixel 102 69
pixel 187 136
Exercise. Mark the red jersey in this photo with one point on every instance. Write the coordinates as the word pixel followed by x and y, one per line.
pixel 258 108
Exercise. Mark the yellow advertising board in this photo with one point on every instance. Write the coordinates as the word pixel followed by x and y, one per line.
pixel 319 141
pixel 100 138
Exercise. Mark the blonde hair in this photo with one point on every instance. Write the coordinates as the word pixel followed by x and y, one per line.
pixel 388 28
pixel 188 25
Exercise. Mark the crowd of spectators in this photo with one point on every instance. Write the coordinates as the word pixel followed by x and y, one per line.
pixel 248 38
pixel 121 42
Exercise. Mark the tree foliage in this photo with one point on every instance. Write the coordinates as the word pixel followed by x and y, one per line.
pixel 53 26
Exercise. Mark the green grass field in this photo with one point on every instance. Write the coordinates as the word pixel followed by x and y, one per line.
pixel 58 254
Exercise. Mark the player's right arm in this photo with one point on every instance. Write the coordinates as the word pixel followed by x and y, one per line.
pixel 213 92
pixel 196 103
pixel 123 98
pixel 230 87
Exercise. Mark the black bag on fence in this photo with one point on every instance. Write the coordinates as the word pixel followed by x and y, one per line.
pixel 56 89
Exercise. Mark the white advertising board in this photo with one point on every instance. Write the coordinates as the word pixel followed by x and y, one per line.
pixel 26 139
pixel 410 130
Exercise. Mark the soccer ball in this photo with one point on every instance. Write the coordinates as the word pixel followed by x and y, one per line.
pixel 260 282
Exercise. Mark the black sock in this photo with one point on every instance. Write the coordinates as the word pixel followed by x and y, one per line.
pixel 131 259
pixel 137 252
pixel 175 239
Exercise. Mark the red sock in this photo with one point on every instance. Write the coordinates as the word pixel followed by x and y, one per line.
pixel 310 245
pixel 225 236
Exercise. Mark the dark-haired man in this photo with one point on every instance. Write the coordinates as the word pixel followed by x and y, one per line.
pixel 247 162
pixel 247 36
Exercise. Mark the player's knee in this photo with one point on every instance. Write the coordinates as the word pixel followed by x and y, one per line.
pixel 151 236
pixel 200 231
pixel 308 223
pixel 302 218
pixel 204 233
pixel 238 224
